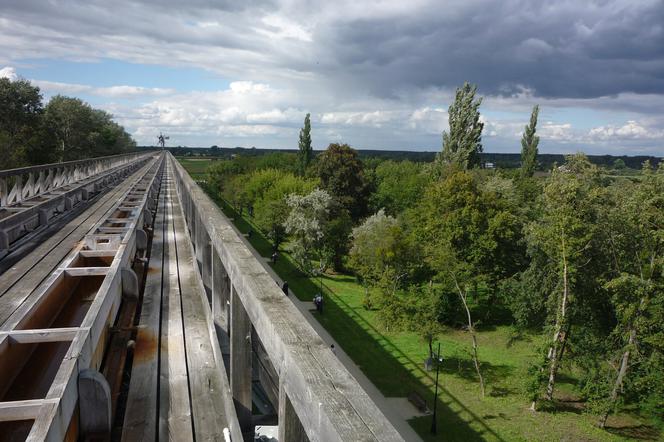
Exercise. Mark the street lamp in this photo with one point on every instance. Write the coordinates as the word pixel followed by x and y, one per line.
pixel 439 360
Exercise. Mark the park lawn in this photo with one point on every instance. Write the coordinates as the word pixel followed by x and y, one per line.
pixel 393 361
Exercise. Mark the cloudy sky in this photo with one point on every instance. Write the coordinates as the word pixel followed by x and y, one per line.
pixel 377 74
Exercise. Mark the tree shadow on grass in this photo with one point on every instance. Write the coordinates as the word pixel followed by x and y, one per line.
pixel 345 278
pixel 464 368
pixel 641 432
pixel 395 374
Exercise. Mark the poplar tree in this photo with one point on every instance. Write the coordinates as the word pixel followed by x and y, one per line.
pixel 529 142
pixel 306 152
pixel 463 144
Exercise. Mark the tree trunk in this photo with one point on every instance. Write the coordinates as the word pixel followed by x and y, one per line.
pixel 431 347
pixel 619 379
pixel 560 335
pixel 563 347
pixel 471 330
pixel 477 362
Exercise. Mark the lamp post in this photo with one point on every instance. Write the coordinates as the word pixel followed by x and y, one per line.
pixel 435 397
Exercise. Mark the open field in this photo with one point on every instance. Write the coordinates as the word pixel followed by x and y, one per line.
pixel 394 363
pixel 196 166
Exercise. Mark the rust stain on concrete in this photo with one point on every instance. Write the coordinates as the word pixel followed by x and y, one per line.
pixel 146 346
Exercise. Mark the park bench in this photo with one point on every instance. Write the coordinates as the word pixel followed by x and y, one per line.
pixel 419 402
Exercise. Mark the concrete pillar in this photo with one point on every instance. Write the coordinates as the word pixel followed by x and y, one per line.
pixel 206 269
pixel 201 241
pixel 220 291
pixel 290 427
pixel 240 329
pixel 4 240
pixel 191 222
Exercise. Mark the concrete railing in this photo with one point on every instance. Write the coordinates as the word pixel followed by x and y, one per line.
pixel 31 196
pixel 17 185
pixel 318 397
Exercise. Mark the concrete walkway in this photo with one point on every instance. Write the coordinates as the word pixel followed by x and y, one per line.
pixel 397 410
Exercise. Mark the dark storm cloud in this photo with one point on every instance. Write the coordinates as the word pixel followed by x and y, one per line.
pixel 164 22
pixel 557 49
pixel 375 72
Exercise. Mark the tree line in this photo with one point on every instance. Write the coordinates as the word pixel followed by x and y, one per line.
pixel 574 256
pixel 64 129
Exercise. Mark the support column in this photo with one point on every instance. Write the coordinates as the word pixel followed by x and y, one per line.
pixel 220 292
pixel 206 269
pixel 290 427
pixel 240 329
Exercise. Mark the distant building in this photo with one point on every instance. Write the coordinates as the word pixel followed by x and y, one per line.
pixel 489 166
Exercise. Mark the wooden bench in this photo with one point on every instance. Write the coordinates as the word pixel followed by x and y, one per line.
pixel 419 402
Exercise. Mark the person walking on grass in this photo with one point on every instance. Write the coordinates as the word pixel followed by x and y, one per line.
pixel 284 287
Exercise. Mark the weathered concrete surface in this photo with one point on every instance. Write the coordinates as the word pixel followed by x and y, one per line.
pixel 328 401
pixel 178 389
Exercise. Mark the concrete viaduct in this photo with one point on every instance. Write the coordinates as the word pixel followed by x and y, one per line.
pixel 131 309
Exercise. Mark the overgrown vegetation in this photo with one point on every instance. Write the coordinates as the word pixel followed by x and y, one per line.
pixel 546 292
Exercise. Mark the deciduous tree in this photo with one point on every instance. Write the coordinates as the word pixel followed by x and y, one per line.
pixel 568 236
pixel 380 247
pixel 306 225
pixel 271 209
pixel 20 119
pixel 342 175
pixel 635 225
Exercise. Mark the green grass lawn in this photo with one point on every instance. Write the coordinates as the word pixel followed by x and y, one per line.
pixel 394 362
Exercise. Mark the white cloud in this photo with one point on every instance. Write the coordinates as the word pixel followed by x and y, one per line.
pixel 631 130
pixel 428 119
pixel 282 27
pixel 122 91
pixel 560 132
pixel 8 72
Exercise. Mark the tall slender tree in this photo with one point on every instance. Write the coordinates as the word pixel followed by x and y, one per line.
pixel 635 226
pixel 305 152
pixel 567 237
pixel 463 144
pixel 529 142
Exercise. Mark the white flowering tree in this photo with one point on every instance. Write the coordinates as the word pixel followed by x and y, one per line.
pixel 305 224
